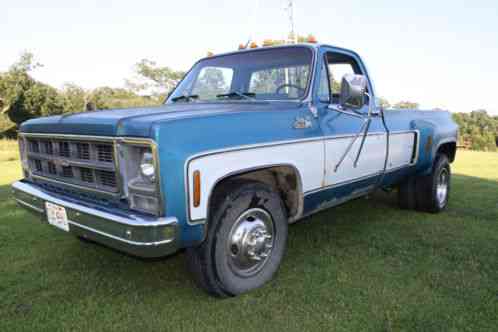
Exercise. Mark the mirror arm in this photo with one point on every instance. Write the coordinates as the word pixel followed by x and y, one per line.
pixel 371 103
pixel 362 129
pixel 367 126
pixel 341 109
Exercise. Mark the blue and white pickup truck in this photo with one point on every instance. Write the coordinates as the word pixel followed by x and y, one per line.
pixel 247 143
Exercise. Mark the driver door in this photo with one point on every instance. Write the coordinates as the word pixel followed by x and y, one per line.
pixel 353 161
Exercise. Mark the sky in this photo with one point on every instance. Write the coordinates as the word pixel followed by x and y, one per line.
pixel 438 53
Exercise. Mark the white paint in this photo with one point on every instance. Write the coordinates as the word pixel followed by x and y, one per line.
pixel 400 149
pixel 306 157
pixel 371 161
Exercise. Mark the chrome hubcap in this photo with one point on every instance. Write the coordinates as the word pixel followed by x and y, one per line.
pixel 442 187
pixel 250 242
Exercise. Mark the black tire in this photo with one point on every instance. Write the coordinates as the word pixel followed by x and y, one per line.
pixel 210 262
pixel 427 196
pixel 407 194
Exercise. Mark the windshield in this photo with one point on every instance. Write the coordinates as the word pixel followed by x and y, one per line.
pixel 272 74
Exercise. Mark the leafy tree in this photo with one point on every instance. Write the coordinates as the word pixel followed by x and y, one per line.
pixel 109 98
pixel 75 98
pixel 24 97
pixel 7 127
pixel 154 80
pixel 25 64
pixel 477 129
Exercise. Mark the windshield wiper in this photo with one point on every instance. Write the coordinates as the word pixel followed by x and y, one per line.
pixel 237 94
pixel 186 98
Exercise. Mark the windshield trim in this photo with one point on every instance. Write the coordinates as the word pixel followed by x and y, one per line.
pixel 310 81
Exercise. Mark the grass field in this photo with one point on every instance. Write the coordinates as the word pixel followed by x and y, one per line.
pixel 9 150
pixel 363 266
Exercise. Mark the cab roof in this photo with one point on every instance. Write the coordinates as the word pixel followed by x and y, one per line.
pixel 314 46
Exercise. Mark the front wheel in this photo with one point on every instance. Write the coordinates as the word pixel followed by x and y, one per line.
pixel 246 240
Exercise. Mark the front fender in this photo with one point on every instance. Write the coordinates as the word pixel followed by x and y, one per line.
pixel 306 158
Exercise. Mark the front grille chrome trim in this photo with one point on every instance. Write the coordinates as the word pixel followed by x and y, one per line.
pixel 60 161
pixel 72 157
pixel 72 185
pixel 116 167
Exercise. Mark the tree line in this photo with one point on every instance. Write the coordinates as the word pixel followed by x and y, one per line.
pixel 22 98
pixel 477 129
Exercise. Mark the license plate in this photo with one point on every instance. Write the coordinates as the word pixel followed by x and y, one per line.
pixel 57 216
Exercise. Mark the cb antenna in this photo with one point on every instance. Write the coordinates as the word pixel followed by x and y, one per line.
pixel 252 24
pixel 290 12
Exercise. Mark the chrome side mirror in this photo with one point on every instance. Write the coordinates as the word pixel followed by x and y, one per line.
pixel 353 91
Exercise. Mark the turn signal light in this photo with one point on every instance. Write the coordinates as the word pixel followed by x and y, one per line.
pixel 311 39
pixel 197 188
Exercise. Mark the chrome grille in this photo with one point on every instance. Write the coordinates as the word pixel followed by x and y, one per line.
pixel 67 171
pixel 83 150
pixel 64 150
pixel 107 178
pixel 34 147
pixel 48 148
pixel 86 175
pixel 38 165
pixel 105 153
pixel 88 164
pixel 52 169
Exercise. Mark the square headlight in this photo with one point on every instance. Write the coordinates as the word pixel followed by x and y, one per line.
pixel 138 163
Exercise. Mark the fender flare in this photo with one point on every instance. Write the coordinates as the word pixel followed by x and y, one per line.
pixel 239 172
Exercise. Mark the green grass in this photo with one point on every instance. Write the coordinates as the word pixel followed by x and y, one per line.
pixel 9 150
pixel 363 266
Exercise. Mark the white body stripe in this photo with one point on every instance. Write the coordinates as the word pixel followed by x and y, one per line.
pixel 306 157
pixel 401 147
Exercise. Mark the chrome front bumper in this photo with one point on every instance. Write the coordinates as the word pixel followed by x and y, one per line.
pixel 139 236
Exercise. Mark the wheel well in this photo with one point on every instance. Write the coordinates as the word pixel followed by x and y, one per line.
pixel 284 180
pixel 449 149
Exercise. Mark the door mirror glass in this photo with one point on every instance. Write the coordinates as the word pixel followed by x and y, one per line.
pixel 353 91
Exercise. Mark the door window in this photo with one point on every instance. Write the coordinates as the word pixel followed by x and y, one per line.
pixel 339 65
pixel 323 88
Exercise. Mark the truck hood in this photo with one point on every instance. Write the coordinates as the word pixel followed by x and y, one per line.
pixel 135 122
